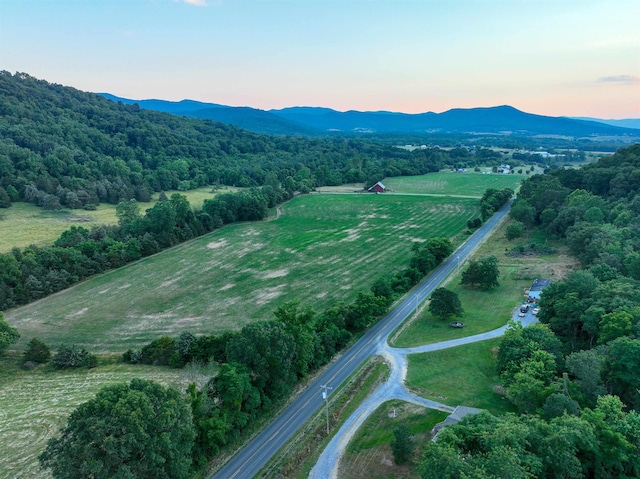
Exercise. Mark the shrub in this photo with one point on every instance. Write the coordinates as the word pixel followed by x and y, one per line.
pixel 158 352
pixel 37 352
pixel 73 357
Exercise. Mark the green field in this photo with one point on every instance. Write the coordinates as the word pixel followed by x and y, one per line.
pixel 462 376
pixel 323 249
pixel 483 311
pixel 35 404
pixel 450 183
pixel 25 224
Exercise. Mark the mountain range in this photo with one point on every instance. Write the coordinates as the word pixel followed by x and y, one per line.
pixel 498 120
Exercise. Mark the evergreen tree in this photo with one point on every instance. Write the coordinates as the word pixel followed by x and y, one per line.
pixel 402 445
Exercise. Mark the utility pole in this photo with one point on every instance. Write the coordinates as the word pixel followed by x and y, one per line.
pixel 325 396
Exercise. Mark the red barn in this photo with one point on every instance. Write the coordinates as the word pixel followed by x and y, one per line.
pixel 377 188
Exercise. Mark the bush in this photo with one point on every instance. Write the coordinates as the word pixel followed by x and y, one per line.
pixel 474 223
pixel 73 357
pixel 514 230
pixel 8 335
pixel 37 352
pixel 158 352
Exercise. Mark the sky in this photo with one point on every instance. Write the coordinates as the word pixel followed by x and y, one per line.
pixel 556 57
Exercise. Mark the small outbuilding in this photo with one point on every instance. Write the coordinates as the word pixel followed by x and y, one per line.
pixel 536 289
pixel 377 188
pixel 457 414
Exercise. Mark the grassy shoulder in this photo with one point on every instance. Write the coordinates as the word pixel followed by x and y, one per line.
pixel 299 455
pixel 462 376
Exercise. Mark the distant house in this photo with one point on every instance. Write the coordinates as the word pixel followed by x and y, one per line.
pixel 536 289
pixel 377 188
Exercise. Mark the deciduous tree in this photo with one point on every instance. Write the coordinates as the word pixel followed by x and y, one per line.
pixel 483 273
pixel 134 431
pixel 445 303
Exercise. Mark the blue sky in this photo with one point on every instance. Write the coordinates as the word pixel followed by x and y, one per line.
pixel 560 57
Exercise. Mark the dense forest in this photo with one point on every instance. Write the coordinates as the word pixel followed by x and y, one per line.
pixel 574 379
pixel 63 147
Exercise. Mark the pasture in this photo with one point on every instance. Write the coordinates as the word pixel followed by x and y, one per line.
pixel 451 183
pixel 35 405
pixel 26 224
pixel 323 249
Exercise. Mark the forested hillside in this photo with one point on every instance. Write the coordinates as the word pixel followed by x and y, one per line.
pixel 574 379
pixel 60 147
pixel 63 147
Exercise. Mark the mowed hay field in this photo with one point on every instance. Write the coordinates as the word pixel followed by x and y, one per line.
pixel 452 183
pixel 35 405
pixel 321 250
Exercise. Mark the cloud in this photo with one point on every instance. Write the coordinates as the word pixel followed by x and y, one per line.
pixel 629 79
pixel 197 3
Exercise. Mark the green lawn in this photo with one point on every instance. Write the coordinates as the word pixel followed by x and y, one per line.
pixel 323 249
pixel 34 405
pixel 483 311
pixel 25 224
pixel 450 183
pixel 462 376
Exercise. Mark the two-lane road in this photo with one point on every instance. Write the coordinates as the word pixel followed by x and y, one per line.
pixel 257 453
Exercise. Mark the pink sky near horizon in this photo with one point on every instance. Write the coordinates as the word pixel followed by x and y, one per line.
pixel 556 58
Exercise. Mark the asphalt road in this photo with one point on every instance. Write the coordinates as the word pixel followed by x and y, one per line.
pixel 257 453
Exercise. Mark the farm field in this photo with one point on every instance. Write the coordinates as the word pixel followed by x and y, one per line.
pixel 322 250
pixel 25 224
pixel 451 183
pixel 35 405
